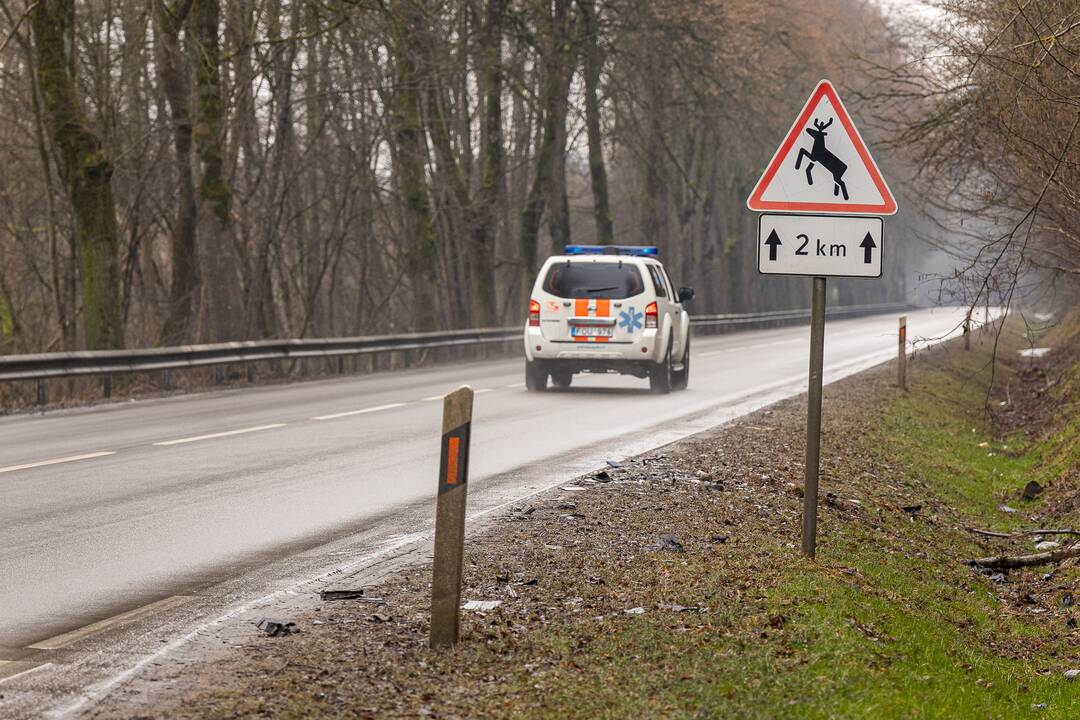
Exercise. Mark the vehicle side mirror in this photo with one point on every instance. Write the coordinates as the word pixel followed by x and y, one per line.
pixel 686 294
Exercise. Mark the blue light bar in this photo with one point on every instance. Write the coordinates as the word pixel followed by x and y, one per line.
pixel 636 250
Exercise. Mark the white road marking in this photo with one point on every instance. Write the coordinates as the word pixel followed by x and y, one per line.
pixel 211 436
pixel 432 397
pixel 57 461
pixel 358 412
pixel 516 385
pixel 59 641
pixel 482 390
pixel 19 668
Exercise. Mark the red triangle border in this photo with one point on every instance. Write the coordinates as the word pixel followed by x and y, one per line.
pixel 754 202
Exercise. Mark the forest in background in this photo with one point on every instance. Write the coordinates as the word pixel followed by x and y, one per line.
pixel 184 171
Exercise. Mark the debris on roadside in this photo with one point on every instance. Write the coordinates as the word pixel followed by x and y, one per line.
pixel 276 628
pixel 1031 490
pixel 668 542
pixel 522 513
pixel 841 503
pixel 329 595
pixel 481 605
pixel 1071 674
pixel 912 510
pixel 1006 509
pixel 674 607
pixel 614 463
pixel 634 611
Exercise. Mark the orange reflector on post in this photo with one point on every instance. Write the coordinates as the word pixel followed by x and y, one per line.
pixel 452 450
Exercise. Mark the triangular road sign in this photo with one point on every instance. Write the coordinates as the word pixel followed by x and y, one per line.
pixel 823 166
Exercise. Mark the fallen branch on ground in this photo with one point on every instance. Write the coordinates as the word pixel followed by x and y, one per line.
pixel 1021 533
pixel 1016 561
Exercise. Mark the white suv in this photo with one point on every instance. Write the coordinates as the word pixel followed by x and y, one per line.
pixel 607 309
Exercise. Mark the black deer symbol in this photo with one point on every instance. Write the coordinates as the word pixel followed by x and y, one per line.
pixel 820 154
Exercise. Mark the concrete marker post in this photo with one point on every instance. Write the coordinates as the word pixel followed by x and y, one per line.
pixel 813 419
pixel 901 358
pixel 450 518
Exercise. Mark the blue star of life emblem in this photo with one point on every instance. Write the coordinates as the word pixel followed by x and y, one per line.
pixel 630 319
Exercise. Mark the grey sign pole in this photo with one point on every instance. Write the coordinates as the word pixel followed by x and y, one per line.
pixel 450 517
pixel 813 419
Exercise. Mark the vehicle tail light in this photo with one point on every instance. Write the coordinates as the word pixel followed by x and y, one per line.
pixel 650 315
pixel 534 313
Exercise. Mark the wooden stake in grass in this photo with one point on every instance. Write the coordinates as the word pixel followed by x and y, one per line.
pixel 901 366
pixel 450 517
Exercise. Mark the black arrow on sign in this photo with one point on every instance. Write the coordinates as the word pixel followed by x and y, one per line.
pixel 868 246
pixel 772 241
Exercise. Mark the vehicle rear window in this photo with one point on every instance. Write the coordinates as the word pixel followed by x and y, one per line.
pixel 613 281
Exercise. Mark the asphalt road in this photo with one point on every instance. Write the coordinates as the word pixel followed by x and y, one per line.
pixel 108 509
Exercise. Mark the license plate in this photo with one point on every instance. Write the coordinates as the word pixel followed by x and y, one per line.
pixel 591 330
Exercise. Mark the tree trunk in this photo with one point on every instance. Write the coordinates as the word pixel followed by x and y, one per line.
pixel 562 66
pixel 172 70
pixel 85 169
pixel 555 86
pixel 410 157
pixel 593 62
pixel 493 164
pixel 213 189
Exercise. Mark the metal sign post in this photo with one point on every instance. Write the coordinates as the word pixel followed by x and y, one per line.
pixel 813 418
pixel 450 518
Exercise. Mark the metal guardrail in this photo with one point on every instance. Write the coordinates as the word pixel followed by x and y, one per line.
pixel 107 362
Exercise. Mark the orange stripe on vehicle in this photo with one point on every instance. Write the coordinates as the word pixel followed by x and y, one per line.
pixel 603 307
pixel 452 449
pixel 581 307
pixel 603 339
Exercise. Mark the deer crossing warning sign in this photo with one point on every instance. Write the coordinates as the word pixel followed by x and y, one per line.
pixel 823 166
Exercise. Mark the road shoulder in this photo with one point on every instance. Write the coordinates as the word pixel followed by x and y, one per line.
pixel 673 583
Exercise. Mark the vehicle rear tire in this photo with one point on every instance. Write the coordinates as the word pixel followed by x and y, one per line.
pixel 681 378
pixel 660 378
pixel 536 376
pixel 562 379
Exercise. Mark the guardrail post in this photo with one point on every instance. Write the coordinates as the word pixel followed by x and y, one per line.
pixel 901 359
pixel 450 518
pixel 340 364
pixel 219 374
pixel 42 395
pixel 249 371
pixel 106 386
pixel 166 378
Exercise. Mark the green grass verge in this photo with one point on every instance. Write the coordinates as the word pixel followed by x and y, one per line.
pixel 888 623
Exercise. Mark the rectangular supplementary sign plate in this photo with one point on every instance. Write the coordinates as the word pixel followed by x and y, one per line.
pixel 820 245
